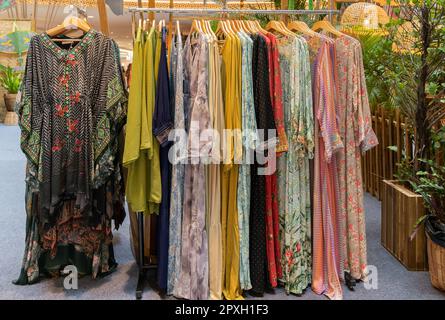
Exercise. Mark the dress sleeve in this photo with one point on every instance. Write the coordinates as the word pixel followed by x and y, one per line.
pixel 326 113
pixel 200 114
pixel 134 117
pixel 306 98
pixel 367 138
pixel 29 117
pixel 162 117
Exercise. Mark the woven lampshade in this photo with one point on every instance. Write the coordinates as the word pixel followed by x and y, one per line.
pixel 366 15
pixel 405 39
pixel 252 4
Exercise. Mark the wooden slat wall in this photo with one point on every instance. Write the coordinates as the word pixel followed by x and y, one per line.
pixel 380 163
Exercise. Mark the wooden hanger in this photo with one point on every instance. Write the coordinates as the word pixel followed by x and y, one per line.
pixel 229 26
pixel 221 29
pixel 246 26
pixel 209 27
pixel 69 24
pixel 302 27
pixel 203 26
pixel 290 33
pixel 253 26
pixel 326 26
pixel 178 28
pixel 259 27
pixel 275 26
pixel 195 27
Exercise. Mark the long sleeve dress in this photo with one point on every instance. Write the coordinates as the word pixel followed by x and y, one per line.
pixel 293 167
pixel 231 61
pixel 193 280
pixel 216 110
pixel 71 109
pixel 265 122
pixel 355 127
pixel 178 168
pixel 249 139
pixel 327 269
pixel 162 124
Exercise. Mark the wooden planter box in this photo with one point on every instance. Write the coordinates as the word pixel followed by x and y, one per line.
pixel 400 210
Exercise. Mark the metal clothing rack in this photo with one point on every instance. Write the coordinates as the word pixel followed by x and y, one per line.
pixel 143 268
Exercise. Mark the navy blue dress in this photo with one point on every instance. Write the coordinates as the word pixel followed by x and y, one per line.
pixel 162 124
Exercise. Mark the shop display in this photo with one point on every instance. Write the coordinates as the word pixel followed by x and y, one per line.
pixel 272 197
pixel 265 236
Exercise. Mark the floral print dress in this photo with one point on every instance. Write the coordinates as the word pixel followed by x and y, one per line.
pixel 293 167
pixel 355 127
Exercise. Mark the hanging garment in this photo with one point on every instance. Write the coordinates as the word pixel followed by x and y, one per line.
pixel 231 57
pixel 293 167
pixel 355 127
pixel 272 216
pixel 265 121
pixel 71 108
pixel 193 280
pixel 141 153
pixel 178 168
pixel 327 269
pixel 216 111
pixel 162 124
pixel 249 139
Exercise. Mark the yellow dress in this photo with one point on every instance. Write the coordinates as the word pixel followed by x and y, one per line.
pixel 231 56
pixel 141 153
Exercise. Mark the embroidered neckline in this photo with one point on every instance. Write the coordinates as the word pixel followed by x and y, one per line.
pixel 72 52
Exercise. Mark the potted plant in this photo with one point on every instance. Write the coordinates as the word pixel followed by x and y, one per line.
pixel 430 184
pixel 10 80
pixel 421 173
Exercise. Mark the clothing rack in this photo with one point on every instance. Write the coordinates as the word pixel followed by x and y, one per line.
pixel 143 268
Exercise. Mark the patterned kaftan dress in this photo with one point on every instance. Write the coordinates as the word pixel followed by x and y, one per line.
pixel 71 108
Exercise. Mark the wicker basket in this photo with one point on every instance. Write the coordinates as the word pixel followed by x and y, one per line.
pixel 436 261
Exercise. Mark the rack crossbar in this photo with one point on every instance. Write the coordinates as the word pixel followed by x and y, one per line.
pixel 233 11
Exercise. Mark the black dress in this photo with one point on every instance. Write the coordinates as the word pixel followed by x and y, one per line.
pixel 265 121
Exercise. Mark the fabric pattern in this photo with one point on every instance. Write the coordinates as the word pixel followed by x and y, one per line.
pixel 293 167
pixel 355 127
pixel 70 126
pixel 264 118
pixel 193 280
pixel 249 139
pixel 327 268
pixel 178 169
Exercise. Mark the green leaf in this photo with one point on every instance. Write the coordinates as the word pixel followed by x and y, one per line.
pixel 393 148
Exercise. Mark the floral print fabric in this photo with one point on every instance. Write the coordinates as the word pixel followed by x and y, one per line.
pixel 293 167
pixel 249 140
pixel 355 127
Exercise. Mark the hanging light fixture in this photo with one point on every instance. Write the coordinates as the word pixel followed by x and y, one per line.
pixel 364 17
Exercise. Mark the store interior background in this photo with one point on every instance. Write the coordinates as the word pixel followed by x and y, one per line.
pixel 393 280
